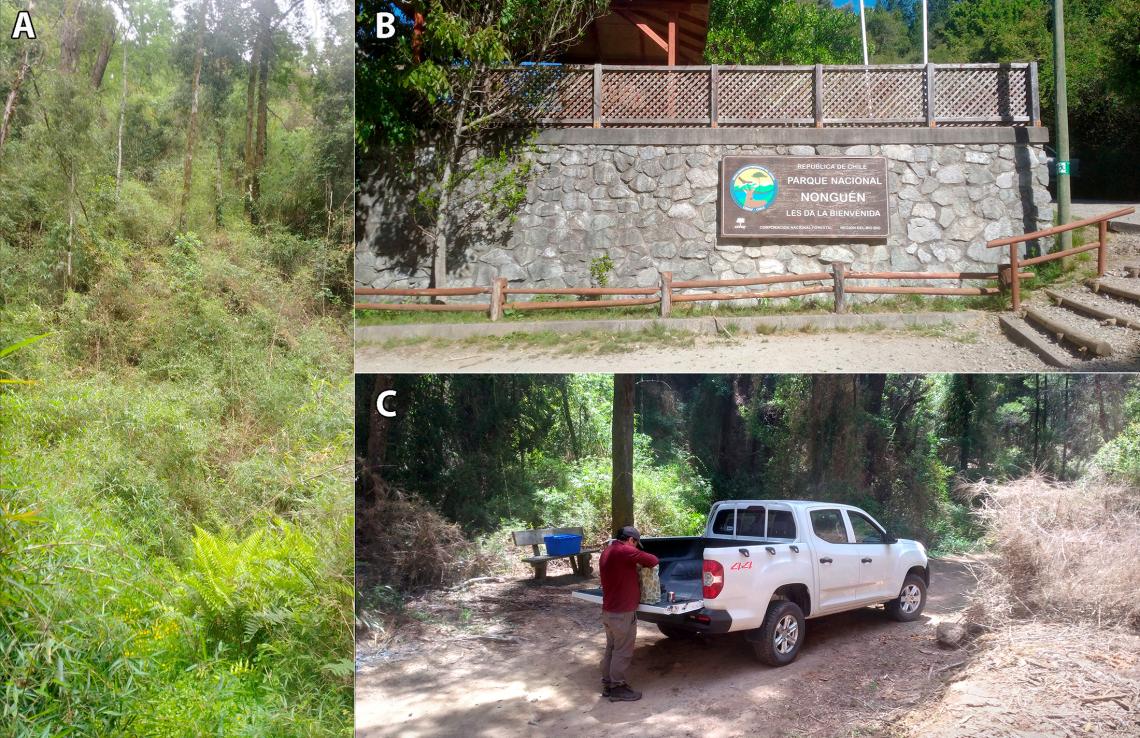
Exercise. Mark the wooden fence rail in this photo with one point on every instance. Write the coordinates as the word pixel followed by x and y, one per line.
pixel 837 282
pixel 606 96
pixel 1015 262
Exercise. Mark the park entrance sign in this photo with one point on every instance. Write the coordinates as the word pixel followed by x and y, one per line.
pixel 804 197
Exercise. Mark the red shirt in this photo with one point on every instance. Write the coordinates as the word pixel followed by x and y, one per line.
pixel 617 568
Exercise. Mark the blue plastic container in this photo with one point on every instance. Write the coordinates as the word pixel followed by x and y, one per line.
pixel 562 544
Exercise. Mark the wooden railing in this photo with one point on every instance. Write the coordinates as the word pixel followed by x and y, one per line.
pixel 669 292
pixel 1016 263
pixel 605 96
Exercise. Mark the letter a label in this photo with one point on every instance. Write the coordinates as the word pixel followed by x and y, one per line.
pixel 23 27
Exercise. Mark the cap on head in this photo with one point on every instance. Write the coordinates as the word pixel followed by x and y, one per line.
pixel 628 532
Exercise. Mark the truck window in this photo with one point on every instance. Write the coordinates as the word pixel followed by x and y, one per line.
pixel 725 521
pixel 750 522
pixel 781 524
pixel 828 525
pixel 864 530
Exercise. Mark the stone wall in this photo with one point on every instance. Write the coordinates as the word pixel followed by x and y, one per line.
pixel 653 207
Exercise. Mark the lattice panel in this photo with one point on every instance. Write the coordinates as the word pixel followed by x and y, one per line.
pixel 981 95
pixel 895 95
pixel 533 94
pixel 757 96
pixel 656 97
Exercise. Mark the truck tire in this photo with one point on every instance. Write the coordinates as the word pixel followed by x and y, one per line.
pixel 676 632
pixel 778 640
pixel 911 600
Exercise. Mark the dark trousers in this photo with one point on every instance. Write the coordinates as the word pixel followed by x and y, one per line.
pixel 621 632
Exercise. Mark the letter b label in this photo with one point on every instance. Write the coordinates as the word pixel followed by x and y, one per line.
pixel 385 25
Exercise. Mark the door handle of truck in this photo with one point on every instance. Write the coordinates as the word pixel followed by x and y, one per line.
pixel 825 560
pixel 744 553
pixel 866 561
pixel 770 550
pixel 795 549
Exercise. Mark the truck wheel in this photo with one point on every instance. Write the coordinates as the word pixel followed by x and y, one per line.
pixel 778 640
pixel 675 632
pixel 911 600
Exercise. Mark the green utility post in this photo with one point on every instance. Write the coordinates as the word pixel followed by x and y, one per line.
pixel 1062 121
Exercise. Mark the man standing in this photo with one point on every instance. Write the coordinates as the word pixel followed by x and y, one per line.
pixel 621 594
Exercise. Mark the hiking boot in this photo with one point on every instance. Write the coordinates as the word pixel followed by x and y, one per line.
pixel 607 686
pixel 622 693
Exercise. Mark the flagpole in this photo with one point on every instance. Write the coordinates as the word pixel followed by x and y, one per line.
pixel 924 43
pixel 863 32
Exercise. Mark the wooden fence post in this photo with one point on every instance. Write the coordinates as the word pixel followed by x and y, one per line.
pixel 1034 96
pixel 1014 284
pixel 495 309
pixel 714 103
pixel 666 294
pixel 1102 252
pixel 597 96
pixel 930 95
pixel 817 96
pixel 837 270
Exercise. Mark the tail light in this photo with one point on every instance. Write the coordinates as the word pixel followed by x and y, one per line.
pixel 712 579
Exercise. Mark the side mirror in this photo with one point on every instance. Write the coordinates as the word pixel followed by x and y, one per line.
pixel 889 538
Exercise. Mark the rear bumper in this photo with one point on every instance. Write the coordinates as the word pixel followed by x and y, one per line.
pixel 698 621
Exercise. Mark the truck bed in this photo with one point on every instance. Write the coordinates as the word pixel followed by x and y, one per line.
pixel 682 559
pixel 661 607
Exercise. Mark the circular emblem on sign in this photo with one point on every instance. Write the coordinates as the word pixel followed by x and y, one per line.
pixel 753 188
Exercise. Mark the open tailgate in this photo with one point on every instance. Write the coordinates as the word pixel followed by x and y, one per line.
pixel 662 607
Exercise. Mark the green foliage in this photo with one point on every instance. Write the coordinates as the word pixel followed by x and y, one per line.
pixel 781 32
pixel 177 401
pixel 600 269
pixel 1120 457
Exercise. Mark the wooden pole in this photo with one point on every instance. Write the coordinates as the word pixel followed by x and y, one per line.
pixel 1102 252
pixel 597 96
pixel 666 294
pixel 495 309
pixel 621 481
pixel 838 268
pixel 1014 281
pixel 817 95
pixel 672 51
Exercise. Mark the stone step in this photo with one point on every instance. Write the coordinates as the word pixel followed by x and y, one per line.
pixel 1069 331
pixel 1123 293
pixel 1021 333
pixel 1088 308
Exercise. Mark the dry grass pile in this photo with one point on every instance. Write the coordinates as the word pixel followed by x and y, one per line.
pixel 401 542
pixel 1035 679
pixel 1064 552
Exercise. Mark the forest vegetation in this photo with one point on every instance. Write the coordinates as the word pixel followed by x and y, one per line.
pixel 175 241
pixel 475 457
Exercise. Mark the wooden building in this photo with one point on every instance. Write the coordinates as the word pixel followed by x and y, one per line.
pixel 657 32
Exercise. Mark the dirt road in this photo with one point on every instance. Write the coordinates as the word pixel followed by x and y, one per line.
pixel 976 346
pixel 520 659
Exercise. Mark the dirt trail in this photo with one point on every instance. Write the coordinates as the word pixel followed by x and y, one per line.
pixel 857 671
pixel 977 346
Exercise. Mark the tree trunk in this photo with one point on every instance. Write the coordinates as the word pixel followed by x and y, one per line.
pixel 439 254
pixel 69 37
pixel 621 489
pixel 122 120
pixel 567 418
pixel 191 134
pixel 250 117
pixel 260 144
pixel 219 192
pixel 104 57
pixel 378 427
pixel 14 94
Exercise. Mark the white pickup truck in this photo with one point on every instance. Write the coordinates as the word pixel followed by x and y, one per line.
pixel 764 566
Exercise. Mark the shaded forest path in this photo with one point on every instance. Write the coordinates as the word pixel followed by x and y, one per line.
pixel 518 658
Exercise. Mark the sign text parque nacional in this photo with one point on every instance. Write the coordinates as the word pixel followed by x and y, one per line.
pixel 803 197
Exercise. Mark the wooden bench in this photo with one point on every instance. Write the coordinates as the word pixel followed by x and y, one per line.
pixel 579 562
